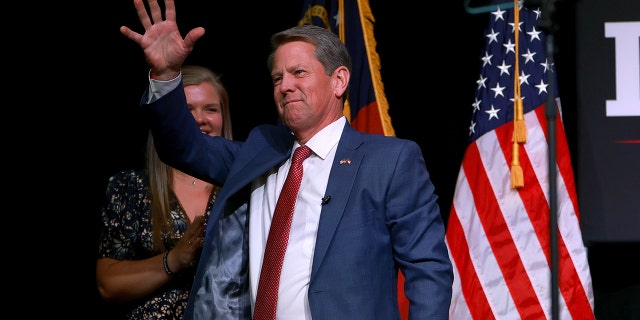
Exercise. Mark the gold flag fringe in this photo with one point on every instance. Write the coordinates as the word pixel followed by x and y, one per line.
pixel 367 20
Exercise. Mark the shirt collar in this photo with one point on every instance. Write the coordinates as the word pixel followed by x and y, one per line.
pixel 327 138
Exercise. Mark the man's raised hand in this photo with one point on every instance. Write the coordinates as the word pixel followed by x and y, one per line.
pixel 164 48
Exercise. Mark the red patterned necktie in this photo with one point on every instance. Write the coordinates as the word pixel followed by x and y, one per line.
pixel 267 297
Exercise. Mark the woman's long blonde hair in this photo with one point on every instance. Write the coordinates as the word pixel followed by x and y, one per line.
pixel 161 174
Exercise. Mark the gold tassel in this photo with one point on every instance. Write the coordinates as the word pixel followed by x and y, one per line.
pixel 517 177
pixel 519 127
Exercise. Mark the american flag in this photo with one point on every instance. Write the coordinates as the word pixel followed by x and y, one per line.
pixel 498 234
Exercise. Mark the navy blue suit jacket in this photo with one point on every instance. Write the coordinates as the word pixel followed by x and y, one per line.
pixel 382 215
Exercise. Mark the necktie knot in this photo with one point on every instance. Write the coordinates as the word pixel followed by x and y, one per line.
pixel 301 153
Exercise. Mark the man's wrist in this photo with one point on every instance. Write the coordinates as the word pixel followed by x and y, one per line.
pixel 167 75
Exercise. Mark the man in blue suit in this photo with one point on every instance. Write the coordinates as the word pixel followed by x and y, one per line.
pixel 366 206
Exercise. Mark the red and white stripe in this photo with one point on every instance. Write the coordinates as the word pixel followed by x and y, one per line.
pixel 498 237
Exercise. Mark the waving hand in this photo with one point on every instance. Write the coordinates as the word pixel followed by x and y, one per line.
pixel 164 48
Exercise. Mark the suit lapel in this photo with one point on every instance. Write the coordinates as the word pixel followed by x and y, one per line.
pixel 265 147
pixel 345 166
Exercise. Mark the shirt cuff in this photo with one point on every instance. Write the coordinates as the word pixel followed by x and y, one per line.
pixel 159 88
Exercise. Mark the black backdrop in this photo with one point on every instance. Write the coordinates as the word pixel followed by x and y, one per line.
pixel 609 168
pixel 430 60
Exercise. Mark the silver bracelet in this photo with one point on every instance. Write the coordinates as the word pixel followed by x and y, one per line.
pixel 165 264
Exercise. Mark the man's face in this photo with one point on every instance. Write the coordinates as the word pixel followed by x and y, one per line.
pixel 304 94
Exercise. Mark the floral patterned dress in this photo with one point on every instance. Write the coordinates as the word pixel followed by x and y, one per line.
pixel 126 235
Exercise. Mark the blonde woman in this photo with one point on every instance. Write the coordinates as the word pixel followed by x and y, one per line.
pixel 153 220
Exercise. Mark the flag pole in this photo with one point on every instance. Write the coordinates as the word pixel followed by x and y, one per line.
pixel 551 114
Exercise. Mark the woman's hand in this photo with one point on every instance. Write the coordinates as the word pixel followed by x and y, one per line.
pixel 183 254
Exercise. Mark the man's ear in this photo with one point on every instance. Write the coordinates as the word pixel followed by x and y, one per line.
pixel 341 78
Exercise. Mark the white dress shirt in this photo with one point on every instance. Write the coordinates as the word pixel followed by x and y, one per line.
pixel 296 269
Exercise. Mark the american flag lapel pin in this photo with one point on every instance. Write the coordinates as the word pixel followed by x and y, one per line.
pixel 345 161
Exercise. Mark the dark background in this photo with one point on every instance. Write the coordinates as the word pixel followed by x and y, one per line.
pixel 609 171
pixel 430 55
